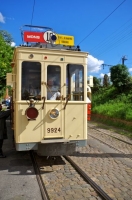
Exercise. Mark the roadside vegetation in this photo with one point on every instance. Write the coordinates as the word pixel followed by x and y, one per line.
pixel 6 54
pixel 112 101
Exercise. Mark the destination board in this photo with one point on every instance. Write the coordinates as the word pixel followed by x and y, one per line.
pixel 65 40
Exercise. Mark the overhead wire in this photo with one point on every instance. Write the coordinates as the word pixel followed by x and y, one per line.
pixel 119 61
pixel 101 22
pixel 112 36
pixel 119 40
pixel 94 28
pixel 32 12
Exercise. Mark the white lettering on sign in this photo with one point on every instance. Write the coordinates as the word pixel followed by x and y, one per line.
pixel 33 36
pixel 47 36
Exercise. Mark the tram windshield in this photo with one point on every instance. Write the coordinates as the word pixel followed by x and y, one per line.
pixel 75 82
pixel 53 82
pixel 31 80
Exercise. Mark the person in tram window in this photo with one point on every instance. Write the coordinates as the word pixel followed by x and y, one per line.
pixel 33 91
pixel 3 130
pixel 53 93
pixel 25 92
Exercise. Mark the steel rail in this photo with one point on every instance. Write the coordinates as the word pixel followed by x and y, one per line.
pixel 39 178
pixel 110 146
pixel 88 179
pixel 111 136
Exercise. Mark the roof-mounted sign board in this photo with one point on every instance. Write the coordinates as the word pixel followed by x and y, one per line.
pixel 30 36
pixel 65 40
pixel 47 37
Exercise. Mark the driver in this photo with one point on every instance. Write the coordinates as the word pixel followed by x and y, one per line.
pixel 53 93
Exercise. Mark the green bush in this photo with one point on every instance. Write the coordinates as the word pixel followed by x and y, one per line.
pixel 108 102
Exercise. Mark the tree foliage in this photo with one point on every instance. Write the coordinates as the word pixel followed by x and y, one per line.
pixel 6 36
pixel 96 82
pixel 106 81
pixel 6 53
pixel 120 76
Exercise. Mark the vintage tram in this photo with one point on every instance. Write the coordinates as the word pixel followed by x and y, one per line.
pixel 49 96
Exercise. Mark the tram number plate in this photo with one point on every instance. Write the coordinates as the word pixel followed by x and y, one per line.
pixel 53 130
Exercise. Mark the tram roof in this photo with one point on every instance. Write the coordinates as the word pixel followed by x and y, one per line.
pixel 41 50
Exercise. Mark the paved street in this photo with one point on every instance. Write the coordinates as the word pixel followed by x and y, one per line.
pixel 111 170
pixel 17 178
pixel 108 168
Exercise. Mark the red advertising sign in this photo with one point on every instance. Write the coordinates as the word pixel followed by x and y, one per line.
pixel 30 36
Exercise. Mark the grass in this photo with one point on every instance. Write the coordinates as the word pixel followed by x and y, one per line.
pixel 116 109
pixel 117 127
pixel 113 109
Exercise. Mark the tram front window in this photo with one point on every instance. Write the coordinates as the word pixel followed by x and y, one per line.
pixel 75 82
pixel 53 82
pixel 31 80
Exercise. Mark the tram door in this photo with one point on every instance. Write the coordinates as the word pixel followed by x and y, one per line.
pixel 75 112
pixel 54 126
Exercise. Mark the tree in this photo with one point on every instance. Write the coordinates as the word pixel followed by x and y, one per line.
pixel 6 36
pixel 96 82
pixel 6 53
pixel 106 80
pixel 120 76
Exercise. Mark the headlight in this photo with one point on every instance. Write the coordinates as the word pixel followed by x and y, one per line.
pixel 54 113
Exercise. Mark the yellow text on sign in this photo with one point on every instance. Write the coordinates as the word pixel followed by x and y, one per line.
pixel 65 40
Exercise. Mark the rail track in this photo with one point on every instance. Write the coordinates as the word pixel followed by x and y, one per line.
pixel 84 176
pixel 88 179
pixel 117 138
pixel 39 164
pixel 43 190
pixel 112 146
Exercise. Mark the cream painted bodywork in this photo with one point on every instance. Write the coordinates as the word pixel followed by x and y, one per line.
pixel 72 121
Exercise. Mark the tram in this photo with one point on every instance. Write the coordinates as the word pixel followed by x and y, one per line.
pixel 49 93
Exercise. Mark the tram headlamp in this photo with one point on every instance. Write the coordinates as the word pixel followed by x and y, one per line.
pixel 54 113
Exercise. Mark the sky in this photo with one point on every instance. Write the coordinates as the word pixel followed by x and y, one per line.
pixel 103 28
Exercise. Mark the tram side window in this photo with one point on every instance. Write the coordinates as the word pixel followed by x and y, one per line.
pixel 75 82
pixel 31 80
pixel 53 82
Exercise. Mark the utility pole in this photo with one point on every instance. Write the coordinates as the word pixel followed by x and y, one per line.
pixel 123 59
